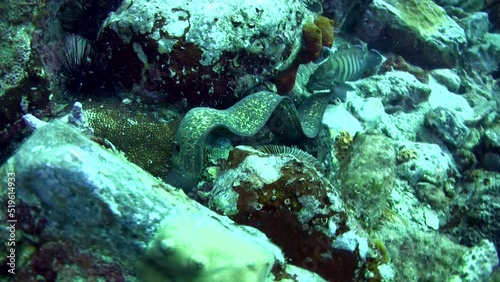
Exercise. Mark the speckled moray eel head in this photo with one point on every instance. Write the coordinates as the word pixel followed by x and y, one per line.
pixel 245 119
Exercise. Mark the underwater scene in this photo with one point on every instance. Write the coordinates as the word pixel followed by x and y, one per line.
pixel 250 140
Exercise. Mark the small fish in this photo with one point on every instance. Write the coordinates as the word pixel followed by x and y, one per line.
pixel 341 66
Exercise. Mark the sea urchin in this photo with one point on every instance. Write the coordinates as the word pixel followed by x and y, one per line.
pixel 81 71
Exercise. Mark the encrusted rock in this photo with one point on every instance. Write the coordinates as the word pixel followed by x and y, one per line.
pixel 411 251
pixel 478 210
pixel 205 51
pixel 429 164
pixel 399 91
pixel 447 78
pixel 369 111
pixel 475 26
pixel 447 126
pixel 294 205
pixel 367 176
pixel 484 56
pixel 467 6
pixel 492 138
pixel 87 206
pixel 419 30
pixel 338 118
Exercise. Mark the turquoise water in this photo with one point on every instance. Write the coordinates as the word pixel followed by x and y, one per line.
pixel 287 140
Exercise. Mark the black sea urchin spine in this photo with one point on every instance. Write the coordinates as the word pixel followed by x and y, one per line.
pixel 85 17
pixel 81 71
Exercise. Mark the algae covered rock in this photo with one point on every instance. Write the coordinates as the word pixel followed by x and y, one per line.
pixel 207 52
pixel 367 176
pixel 177 254
pixel 287 198
pixel 421 31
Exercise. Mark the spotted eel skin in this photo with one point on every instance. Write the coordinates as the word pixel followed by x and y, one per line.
pixel 245 119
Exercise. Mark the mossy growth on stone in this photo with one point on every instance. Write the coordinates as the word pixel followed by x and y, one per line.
pixel 424 15
pixel 367 177
pixel 144 136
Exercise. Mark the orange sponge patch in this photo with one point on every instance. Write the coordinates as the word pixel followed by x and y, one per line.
pixel 312 43
pixel 325 25
pixel 285 81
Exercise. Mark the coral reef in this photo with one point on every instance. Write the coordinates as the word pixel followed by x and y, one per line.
pixel 352 175
pixel 144 136
pixel 245 118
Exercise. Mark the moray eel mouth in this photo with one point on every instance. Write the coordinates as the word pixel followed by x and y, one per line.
pixel 181 179
pixel 245 118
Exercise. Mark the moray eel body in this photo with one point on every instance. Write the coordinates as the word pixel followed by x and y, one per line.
pixel 245 118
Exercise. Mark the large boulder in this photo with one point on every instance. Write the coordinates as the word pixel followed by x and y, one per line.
pixel 420 31
pixel 84 212
pixel 202 51
pixel 281 191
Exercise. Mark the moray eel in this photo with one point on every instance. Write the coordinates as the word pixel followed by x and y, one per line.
pixel 245 119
